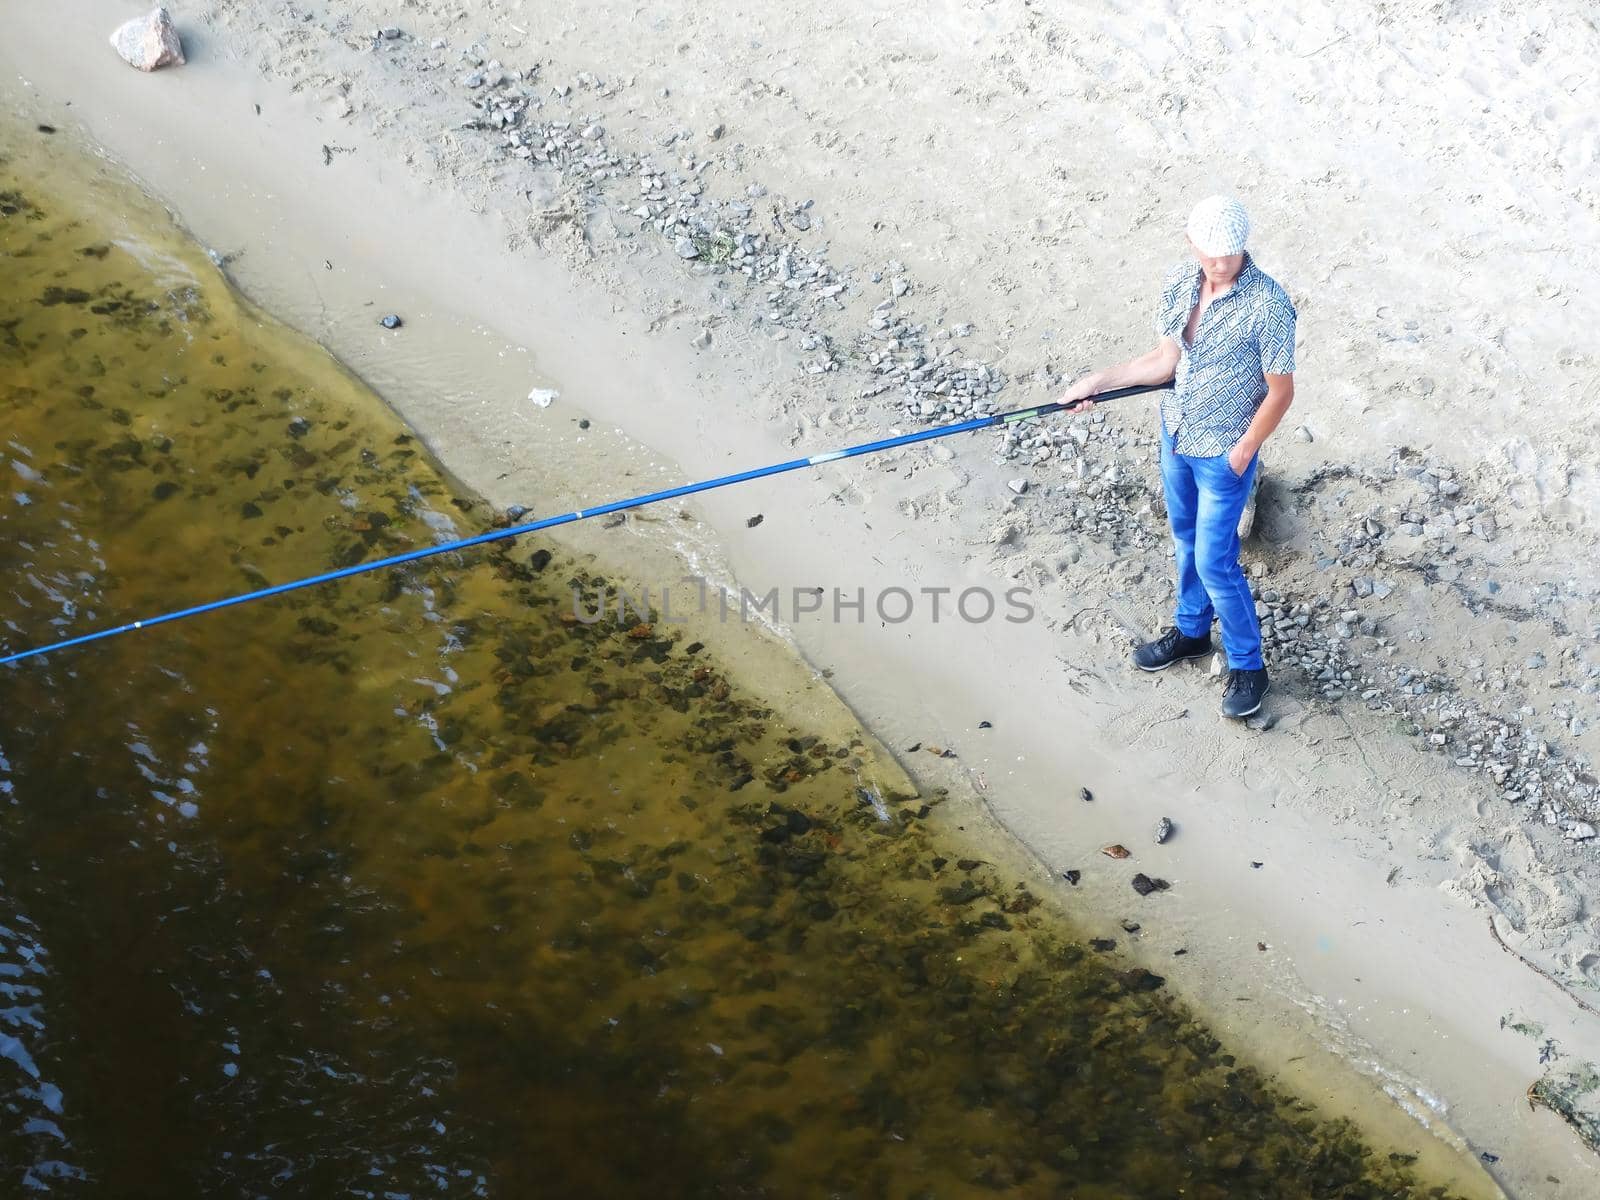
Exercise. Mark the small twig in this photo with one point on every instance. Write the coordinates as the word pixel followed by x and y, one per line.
pixel 1533 966
pixel 1323 47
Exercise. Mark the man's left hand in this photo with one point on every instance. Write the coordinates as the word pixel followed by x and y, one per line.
pixel 1239 459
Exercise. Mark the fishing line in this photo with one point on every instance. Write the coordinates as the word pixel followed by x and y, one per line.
pixel 581 514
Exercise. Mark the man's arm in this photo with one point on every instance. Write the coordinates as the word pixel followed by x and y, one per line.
pixel 1155 366
pixel 1280 394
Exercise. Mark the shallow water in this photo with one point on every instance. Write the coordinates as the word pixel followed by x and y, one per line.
pixel 417 885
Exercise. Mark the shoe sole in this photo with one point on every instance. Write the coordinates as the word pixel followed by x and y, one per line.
pixel 1174 662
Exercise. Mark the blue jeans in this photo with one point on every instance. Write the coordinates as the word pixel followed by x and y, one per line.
pixel 1204 501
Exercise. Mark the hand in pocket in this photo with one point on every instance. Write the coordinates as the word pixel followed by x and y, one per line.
pixel 1239 460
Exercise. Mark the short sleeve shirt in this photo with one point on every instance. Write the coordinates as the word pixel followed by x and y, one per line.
pixel 1245 334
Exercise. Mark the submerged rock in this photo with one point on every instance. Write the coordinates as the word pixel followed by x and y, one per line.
pixel 149 42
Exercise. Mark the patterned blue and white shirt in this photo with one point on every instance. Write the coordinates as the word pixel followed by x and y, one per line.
pixel 1245 334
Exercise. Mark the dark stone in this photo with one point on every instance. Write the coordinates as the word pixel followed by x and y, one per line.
pixel 390 322
pixel 165 489
pixel 540 560
pixel 1144 884
pixel 938 863
pixel 53 296
pixel 250 511
pixel 1140 980
pixel 985 725
pixel 1102 944
pixel 966 893
pixel 993 920
pixel 584 423
pixel 1072 877
pixel 299 427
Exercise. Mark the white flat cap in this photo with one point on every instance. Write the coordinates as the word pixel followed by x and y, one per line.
pixel 1218 226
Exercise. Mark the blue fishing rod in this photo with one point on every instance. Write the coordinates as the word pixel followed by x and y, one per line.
pixel 581 514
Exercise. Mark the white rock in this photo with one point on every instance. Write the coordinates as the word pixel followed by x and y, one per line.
pixel 149 42
pixel 1017 485
pixel 543 397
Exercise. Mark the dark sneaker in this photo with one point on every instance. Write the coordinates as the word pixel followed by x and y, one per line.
pixel 1242 696
pixel 1172 646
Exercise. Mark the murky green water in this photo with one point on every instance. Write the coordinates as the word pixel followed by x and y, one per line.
pixel 416 886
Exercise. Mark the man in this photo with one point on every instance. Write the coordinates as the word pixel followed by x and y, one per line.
pixel 1227 342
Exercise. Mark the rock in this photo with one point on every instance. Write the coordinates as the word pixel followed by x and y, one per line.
pixel 149 42
pixel 390 322
pixel 1144 884
pixel 1163 830
pixel 1304 434
pixel 686 248
pixel 1129 926
pixel 543 397
pixel 1581 831
pixel 1072 877
pixel 1103 945
pixel 702 340
pixel 1140 980
pixel 1085 794
pixel 1018 486
pixel 1116 850
pixel 1247 518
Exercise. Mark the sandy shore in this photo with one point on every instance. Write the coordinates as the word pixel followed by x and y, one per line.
pixel 910 172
